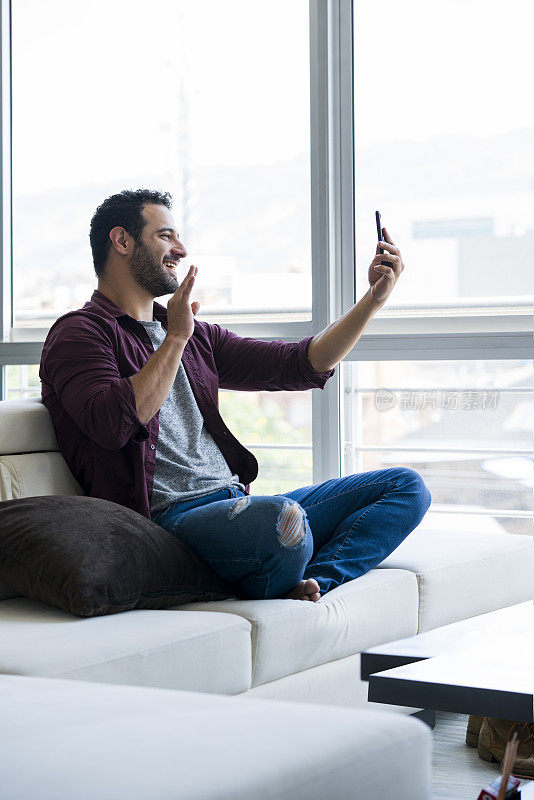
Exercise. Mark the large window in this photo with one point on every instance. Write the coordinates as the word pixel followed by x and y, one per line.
pixel 280 129
pixel 445 149
pixel 207 100
pixel 277 428
pixel 21 381
pixel 465 426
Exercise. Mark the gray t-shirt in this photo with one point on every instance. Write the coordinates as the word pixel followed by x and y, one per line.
pixel 188 462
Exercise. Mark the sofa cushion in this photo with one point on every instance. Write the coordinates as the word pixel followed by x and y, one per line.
pixel 35 474
pixel 290 635
pixel 26 427
pixel 92 557
pixel 461 575
pixel 197 652
pixel 64 740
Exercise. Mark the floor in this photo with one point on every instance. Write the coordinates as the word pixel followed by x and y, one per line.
pixel 458 773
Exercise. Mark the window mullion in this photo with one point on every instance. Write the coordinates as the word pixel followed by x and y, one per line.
pixel 332 188
pixel 6 272
pixel 442 346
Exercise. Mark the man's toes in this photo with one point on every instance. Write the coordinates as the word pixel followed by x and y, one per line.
pixel 305 590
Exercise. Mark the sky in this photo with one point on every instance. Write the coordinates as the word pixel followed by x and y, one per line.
pixel 425 68
pixel 122 94
pixel 98 86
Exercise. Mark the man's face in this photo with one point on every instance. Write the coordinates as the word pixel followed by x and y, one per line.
pixel 159 248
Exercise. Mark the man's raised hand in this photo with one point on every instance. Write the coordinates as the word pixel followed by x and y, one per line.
pixel 180 312
pixel 382 278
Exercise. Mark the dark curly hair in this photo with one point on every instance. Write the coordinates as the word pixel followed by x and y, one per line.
pixel 124 210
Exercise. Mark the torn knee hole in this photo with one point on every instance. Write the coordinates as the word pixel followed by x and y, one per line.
pixel 290 526
pixel 239 506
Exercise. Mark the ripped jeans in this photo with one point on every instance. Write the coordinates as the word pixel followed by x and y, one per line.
pixel 333 531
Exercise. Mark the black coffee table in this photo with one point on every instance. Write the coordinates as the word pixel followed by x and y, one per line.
pixel 484 665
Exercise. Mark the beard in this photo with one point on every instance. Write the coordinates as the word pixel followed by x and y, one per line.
pixel 149 272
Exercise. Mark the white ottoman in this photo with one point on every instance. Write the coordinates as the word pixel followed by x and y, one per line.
pixel 62 739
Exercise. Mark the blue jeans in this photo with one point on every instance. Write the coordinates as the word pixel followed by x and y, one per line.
pixel 333 531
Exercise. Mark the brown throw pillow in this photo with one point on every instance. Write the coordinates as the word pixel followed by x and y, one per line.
pixel 92 557
pixel 7 593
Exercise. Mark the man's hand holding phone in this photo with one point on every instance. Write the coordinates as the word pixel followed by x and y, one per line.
pixel 386 266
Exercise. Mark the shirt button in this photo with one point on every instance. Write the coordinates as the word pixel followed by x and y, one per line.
pixel 152 446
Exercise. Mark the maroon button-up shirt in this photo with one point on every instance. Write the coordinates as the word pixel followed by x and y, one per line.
pixel 88 358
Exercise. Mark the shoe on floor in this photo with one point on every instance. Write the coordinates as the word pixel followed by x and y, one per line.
pixel 474 724
pixel 493 737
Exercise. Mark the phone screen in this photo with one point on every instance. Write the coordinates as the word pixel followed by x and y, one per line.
pixel 379 229
pixel 379 233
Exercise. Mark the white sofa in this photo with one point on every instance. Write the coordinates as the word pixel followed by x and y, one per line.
pixel 73 740
pixel 268 649
pixel 283 649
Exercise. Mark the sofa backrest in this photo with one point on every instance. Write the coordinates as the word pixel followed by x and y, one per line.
pixel 31 464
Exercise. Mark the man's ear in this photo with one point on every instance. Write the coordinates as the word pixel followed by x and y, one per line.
pixel 119 239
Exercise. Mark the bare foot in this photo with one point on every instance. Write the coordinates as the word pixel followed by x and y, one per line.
pixel 305 590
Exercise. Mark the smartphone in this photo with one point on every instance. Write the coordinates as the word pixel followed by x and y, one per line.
pixel 379 232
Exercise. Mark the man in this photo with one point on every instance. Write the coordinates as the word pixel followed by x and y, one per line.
pixel 132 389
